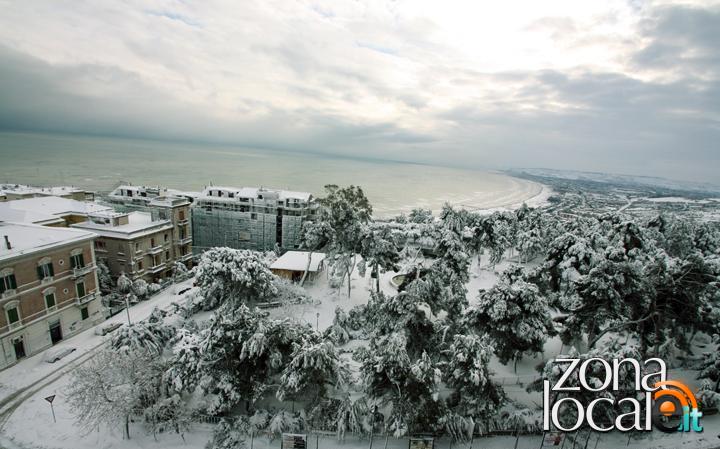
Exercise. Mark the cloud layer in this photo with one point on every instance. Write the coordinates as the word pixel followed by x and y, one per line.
pixel 620 86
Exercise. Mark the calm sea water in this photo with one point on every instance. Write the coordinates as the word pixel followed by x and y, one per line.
pixel 102 163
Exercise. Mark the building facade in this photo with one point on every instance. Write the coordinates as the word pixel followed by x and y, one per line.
pixel 144 245
pixel 48 288
pixel 249 218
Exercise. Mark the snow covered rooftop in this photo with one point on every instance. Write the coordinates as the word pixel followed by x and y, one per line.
pixel 45 209
pixel 139 223
pixel 28 238
pixel 253 193
pixel 298 261
pixel 50 191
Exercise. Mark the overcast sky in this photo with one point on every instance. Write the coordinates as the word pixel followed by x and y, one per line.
pixel 617 86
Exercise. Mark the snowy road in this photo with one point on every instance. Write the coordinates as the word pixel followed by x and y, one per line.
pixel 25 379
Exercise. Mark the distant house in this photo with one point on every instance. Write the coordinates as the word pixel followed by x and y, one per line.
pixel 292 265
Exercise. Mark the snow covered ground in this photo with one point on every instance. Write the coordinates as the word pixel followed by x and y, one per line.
pixel 29 424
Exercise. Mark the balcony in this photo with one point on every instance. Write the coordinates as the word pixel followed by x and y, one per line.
pixel 155 249
pixel 47 280
pixel 183 222
pixel 85 299
pixel 185 257
pixel 8 294
pixel 184 241
pixel 157 268
pixel 82 271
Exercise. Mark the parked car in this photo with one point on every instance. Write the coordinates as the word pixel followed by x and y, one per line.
pixel 52 355
pixel 105 329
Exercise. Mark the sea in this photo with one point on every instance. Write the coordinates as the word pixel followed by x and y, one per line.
pixel 393 187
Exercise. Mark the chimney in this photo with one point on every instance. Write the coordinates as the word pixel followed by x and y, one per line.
pixel 7 243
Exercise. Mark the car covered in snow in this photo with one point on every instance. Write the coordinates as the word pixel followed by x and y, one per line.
pixel 52 355
pixel 105 329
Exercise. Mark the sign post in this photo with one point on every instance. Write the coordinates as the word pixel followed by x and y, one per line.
pixel 50 399
pixel 421 443
pixel 293 441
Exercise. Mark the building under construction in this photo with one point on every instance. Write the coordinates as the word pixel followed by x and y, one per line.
pixel 249 218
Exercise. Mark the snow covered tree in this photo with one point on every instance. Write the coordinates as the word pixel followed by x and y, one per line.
pixel 237 356
pixel 110 387
pixel 104 278
pixel 379 252
pixel 388 373
pixel 466 372
pixel 710 366
pixel 180 271
pixel 233 276
pixel 515 317
pixel 311 369
pixel 124 284
pixel 420 215
pixel 340 227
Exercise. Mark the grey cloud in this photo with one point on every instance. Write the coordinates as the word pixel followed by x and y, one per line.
pixel 684 38
pixel 36 96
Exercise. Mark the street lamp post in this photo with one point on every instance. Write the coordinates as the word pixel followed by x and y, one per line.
pixel 127 307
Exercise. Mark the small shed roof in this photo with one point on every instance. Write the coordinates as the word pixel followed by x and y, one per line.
pixel 298 261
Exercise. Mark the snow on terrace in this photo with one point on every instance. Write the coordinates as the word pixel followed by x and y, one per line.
pixel 138 223
pixel 46 209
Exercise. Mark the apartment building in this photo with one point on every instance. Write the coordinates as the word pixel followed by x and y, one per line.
pixel 168 215
pixel 48 287
pixel 249 218
pixel 10 192
pixel 128 197
pixel 143 245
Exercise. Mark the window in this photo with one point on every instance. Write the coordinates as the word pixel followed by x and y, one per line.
pixel 167 255
pixel 84 314
pixel 80 287
pixel 152 242
pixel 12 312
pixel 181 215
pixel 253 216
pixel 166 237
pixel 50 300
pixel 77 261
pixel 137 246
pixel 182 233
pixel 7 282
pixel 45 270
pixel 99 244
pixel 139 265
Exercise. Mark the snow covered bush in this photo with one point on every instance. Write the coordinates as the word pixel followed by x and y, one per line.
pixel 283 422
pixel 337 332
pixel 227 435
pixel 140 288
pixel 150 335
pixel 289 292
pixel 168 414
pixel 233 276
